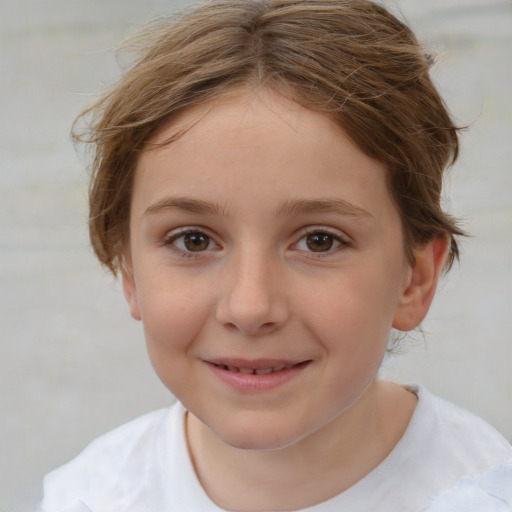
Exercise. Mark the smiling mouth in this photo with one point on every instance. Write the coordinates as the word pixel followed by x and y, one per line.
pixel 257 367
pixel 257 375
pixel 257 371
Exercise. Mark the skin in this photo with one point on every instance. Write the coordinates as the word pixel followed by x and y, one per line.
pixel 297 255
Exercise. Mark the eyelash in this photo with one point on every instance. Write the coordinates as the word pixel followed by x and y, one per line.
pixel 337 239
pixel 173 237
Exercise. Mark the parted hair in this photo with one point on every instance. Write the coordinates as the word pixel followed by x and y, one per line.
pixel 350 59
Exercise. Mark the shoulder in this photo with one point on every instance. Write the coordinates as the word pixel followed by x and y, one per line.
pixel 451 447
pixel 442 446
pixel 112 462
pixel 492 490
pixel 459 434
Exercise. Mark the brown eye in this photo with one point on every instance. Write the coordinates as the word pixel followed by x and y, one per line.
pixel 320 242
pixel 196 242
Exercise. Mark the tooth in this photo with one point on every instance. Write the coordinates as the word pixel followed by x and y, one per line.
pixel 246 370
pixel 278 368
pixel 263 371
pixel 233 369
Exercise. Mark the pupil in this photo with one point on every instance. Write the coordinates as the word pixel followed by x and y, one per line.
pixel 196 241
pixel 319 242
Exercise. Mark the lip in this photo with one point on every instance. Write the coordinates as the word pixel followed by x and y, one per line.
pixel 256 375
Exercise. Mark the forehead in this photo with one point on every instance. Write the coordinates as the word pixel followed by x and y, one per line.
pixel 243 112
pixel 257 141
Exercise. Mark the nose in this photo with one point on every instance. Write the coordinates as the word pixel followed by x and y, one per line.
pixel 253 300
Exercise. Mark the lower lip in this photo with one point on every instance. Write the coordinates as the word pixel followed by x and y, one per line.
pixel 251 383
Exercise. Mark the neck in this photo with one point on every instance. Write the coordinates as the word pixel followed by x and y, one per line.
pixel 310 471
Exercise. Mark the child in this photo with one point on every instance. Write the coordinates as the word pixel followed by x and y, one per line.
pixel 267 182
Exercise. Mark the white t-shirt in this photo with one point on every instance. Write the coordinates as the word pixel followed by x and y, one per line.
pixel 447 458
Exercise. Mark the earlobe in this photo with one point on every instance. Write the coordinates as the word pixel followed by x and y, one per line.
pixel 421 284
pixel 130 290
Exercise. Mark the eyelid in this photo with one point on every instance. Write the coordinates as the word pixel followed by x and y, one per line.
pixel 343 239
pixel 337 233
pixel 173 235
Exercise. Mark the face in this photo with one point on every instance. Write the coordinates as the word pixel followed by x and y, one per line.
pixel 266 262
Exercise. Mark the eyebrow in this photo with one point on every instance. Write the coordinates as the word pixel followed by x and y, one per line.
pixel 338 206
pixel 289 208
pixel 185 204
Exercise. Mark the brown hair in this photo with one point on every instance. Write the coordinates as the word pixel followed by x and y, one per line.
pixel 350 59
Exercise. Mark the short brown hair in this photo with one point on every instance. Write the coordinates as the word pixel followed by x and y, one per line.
pixel 350 59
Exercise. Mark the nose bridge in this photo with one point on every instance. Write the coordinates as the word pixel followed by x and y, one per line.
pixel 253 301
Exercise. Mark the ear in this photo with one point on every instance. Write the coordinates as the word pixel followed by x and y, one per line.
pixel 130 289
pixel 420 284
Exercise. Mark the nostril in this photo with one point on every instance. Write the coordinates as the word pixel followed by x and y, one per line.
pixel 251 330
pixel 251 313
pixel 231 327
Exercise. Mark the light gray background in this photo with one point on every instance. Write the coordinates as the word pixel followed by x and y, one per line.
pixel 72 362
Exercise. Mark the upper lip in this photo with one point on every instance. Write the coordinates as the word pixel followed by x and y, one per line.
pixel 255 364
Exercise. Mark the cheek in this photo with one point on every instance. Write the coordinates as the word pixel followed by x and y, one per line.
pixel 353 314
pixel 173 314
